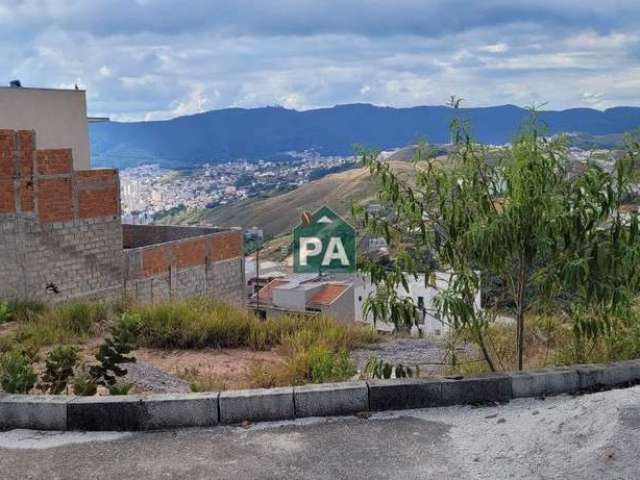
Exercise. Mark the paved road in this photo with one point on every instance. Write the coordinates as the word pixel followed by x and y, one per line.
pixel 589 437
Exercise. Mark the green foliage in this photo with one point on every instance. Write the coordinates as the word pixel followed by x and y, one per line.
pixel 378 368
pixel 328 366
pixel 83 384
pixel 59 368
pixel 553 241
pixel 113 352
pixel 206 323
pixel 64 324
pixel 120 389
pixel 19 310
pixel 5 313
pixel 16 373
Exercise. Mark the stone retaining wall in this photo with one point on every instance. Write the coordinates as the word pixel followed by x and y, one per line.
pixel 209 409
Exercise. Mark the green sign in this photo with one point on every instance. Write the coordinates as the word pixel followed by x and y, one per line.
pixel 324 242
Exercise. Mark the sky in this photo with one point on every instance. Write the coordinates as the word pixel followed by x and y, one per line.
pixel 158 59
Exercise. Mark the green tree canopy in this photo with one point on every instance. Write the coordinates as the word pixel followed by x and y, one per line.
pixel 518 215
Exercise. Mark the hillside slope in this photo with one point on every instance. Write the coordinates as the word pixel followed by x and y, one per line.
pixel 268 133
pixel 278 215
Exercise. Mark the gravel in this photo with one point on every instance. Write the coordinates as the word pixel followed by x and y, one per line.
pixel 148 378
pixel 427 353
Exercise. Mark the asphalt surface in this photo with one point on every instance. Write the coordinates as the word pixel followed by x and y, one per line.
pixel 593 436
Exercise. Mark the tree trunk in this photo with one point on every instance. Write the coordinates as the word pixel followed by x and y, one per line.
pixel 485 351
pixel 520 318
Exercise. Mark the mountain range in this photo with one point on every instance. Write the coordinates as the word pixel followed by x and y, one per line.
pixel 270 132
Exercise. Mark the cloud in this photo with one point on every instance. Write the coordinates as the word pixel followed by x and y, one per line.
pixel 151 59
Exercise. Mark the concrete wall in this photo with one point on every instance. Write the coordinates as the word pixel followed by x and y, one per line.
pixel 59 117
pixel 342 309
pixel 209 264
pixel 60 232
pixel 61 237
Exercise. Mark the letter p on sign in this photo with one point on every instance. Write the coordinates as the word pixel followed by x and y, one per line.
pixel 309 247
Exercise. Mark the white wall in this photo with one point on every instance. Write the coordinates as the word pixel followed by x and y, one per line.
pixel 432 324
pixel 59 118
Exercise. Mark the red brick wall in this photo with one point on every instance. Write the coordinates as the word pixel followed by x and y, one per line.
pixel 55 202
pixel 7 146
pixel 7 200
pixel 48 174
pixel 54 161
pixel 226 245
pixel 155 260
pixel 190 253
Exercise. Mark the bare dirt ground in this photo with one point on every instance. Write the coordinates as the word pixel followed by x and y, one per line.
pixel 225 369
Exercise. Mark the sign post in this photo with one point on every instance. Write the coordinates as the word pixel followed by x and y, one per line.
pixel 324 242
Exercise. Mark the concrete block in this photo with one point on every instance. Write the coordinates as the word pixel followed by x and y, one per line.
pixel 527 384
pixel 634 370
pixel 143 413
pixel 399 394
pixel 39 412
pixel 124 412
pixel 591 376
pixel 331 399
pixel 616 374
pixel 480 389
pixel 257 405
pixel 180 411
pixel 561 380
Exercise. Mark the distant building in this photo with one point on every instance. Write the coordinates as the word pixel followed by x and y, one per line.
pixel 375 209
pixel 58 116
pixel 253 234
pixel 370 244
pixel 61 232
pixel 343 297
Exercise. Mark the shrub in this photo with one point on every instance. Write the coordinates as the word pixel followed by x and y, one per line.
pixel 196 323
pixel 84 385
pixel 16 373
pixel 112 353
pixel 378 368
pixel 64 324
pixel 59 368
pixel 25 310
pixel 328 366
pixel 5 313
pixel 120 389
pixel 202 323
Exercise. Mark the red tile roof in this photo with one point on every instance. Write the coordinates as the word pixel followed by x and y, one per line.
pixel 266 292
pixel 328 294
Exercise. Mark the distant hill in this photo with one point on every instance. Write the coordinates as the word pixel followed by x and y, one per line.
pixel 269 133
pixel 279 214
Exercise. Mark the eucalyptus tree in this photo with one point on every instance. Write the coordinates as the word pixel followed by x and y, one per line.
pixel 517 215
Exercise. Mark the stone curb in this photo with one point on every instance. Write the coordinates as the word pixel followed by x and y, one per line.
pixel 159 412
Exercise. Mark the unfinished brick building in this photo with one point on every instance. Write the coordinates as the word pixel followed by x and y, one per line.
pixel 61 237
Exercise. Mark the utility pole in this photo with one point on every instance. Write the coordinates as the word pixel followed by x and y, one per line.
pixel 258 277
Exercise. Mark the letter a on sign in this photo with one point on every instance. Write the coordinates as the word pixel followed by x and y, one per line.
pixel 324 242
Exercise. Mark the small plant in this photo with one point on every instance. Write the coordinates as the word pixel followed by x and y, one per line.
pixel 16 373
pixel 113 351
pixel 326 366
pixel 378 368
pixel 5 313
pixel 59 367
pixel 120 388
pixel 83 384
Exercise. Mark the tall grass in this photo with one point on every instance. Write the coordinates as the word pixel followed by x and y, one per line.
pixel 315 349
pixel 64 324
pixel 205 323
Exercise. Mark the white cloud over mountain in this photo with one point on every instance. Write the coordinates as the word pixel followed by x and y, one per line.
pixel 152 59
